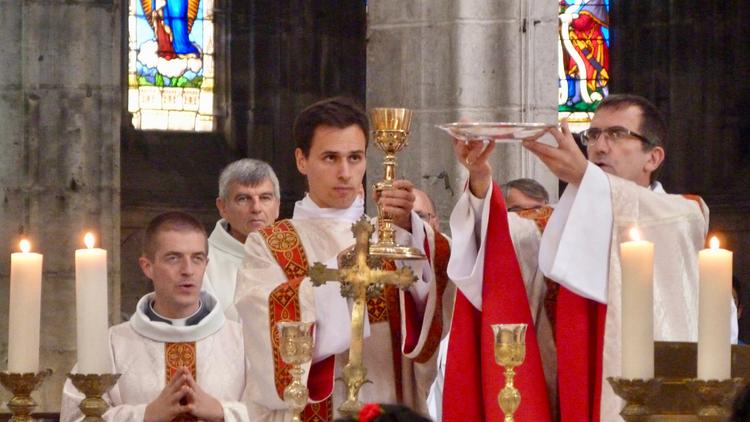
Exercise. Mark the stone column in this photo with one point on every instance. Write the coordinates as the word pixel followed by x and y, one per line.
pixel 446 59
pixel 60 111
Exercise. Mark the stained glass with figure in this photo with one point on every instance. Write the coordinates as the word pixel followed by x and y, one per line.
pixel 583 65
pixel 171 64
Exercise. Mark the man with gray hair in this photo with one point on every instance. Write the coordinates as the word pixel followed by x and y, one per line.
pixel 248 200
pixel 524 194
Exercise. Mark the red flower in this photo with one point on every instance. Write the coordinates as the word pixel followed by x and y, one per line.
pixel 369 412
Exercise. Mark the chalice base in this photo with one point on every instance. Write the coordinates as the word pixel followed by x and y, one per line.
pixel 393 251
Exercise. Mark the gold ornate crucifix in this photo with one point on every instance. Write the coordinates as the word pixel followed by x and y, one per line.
pixel 356 281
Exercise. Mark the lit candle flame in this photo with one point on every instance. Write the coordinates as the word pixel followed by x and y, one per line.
pixel 89 240
pixel 635 235
pixel 714 242
pixel 25 246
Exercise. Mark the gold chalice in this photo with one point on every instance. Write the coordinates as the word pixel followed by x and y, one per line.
pixel 391 132
pixel 296 347
pixel 510 351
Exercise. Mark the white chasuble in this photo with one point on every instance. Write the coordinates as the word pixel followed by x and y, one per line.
pixel 580 250
pixel 399 372
pixel 138 352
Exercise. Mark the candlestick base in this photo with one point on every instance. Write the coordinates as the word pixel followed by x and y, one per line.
pixel 713 398
pixel 93 386
pixel 638 395
pixel 21 386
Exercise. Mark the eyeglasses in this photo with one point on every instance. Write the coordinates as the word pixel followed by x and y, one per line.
pixel 613 133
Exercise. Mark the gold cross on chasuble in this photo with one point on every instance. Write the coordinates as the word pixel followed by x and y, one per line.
pixel 176 356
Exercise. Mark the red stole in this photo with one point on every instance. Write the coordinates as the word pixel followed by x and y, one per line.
pixel 283 305
pixel 579 333
pixel 578 325
pixel 435 332
pixel 473 379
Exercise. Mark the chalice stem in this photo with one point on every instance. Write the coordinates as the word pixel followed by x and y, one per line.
pixel 385 228
pixel 296 386
pixel 390 168
pixel 509 397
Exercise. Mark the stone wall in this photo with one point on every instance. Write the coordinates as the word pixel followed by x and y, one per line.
pixel 59 166
pixel 487 61
pixel 285 56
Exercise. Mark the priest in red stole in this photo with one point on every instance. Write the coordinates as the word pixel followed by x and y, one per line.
pixel 579 248
pixel 471 371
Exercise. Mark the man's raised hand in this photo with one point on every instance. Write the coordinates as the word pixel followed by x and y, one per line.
pixel 474 156
pixel 566 160
pixel 398 203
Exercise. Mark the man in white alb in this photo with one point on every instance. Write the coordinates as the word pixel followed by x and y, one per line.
pixel 178 357
pixel 249 199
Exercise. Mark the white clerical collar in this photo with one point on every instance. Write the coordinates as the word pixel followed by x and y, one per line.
pixel 166 332
pixel 177 322
pixel 308 209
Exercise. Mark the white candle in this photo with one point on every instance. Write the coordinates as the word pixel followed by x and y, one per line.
pixel 714 313
pixel 637 263
pixel 91 309
pixel 25 304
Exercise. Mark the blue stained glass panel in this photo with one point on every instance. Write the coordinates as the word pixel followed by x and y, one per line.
pixel 170 71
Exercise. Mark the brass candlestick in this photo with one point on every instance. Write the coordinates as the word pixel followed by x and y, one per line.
pixel 510 351
pixel 647 399
pixel 675 393
pixel 93 386
pixel 638 395
pixel 391 132
pixel 21 386
pixel 713 399
pixel 357 281
pixel 296 347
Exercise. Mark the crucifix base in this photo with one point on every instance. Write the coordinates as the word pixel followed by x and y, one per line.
pixel 355 376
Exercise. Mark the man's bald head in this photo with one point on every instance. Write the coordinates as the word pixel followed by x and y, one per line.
pixel 425 208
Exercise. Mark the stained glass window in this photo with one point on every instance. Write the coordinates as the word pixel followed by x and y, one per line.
pixel 171 64
pixel 583 67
